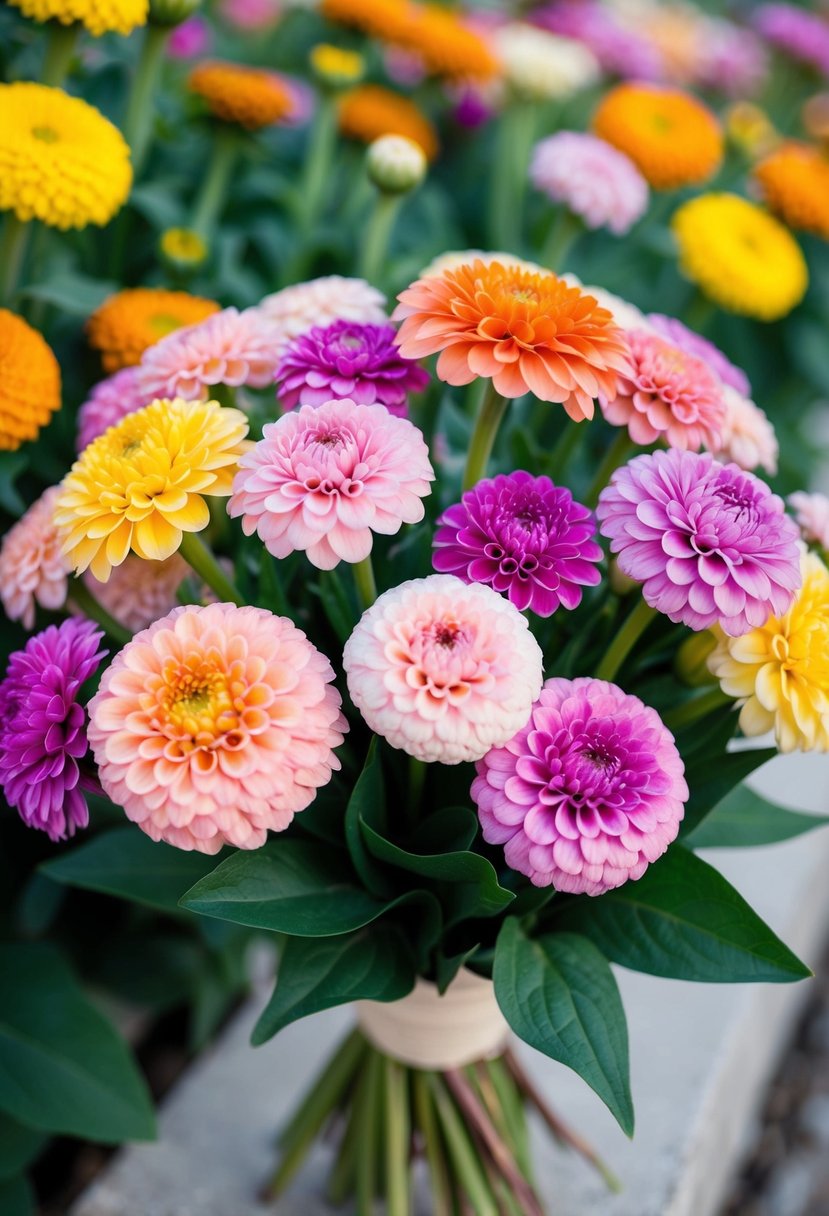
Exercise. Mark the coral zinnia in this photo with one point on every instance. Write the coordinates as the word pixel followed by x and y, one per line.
pixel 216 725
pixel 780 672
pixel 97 16
pixel 325 479
pixel 32 568
pixel 140 484
pixel 596 181
pixel 370 110
pixel 61 161
pixel 710 542
pixel 229 347
pixel 109 401
pixel 128 322
pixel 251 97
pixel 741 257
pixel 29 381
pixel 523 536
pixel 298 308
pixel 670 136
pixel 443 670
pixel 794 180
pixel 43 727
pixel 529 333
pixel 588 793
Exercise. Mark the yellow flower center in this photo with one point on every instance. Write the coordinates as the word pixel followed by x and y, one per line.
pixel 780 648
pixel 47 134
pixel 164 323
pixel 196 700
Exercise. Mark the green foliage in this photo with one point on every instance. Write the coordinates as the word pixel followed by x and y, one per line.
pixel 744 818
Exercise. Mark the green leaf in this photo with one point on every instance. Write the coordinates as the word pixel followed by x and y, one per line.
pixel 558 994
pixel 373 964
pixel 684 921
pixel 709 782
pixel 17 1197
pixel 450 829
pixel 126 863
pixel 744 819
pixel 62 1066
pixel 448 966
pixel 340 612
pixel 12 465
pixel 367 802
pixel 76 294
pixel 19 1145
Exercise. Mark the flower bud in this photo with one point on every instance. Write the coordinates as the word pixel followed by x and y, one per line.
pixel 691 662
pixel 335 68
pixel 183 249
pixel 395 164
pixel 172 12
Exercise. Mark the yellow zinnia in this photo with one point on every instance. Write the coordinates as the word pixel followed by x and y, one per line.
pixel 139 486
pixel 29 381
pixel 780 673
pixel 98 16
pixel 740 256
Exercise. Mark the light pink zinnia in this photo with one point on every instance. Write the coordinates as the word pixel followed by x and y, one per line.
pixel 32 568
pixel 442 669
pixel 748 436
pixel 215 726
pixel 671 396
pixel 302 306
pixel 812 515
pixel 139 592
pixel 229 347
pixel 325 478
pixel 110 401
pixel 593 179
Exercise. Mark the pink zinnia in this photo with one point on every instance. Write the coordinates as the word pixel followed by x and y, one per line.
pixel 33 569
pixel 812 515
pixel 215 726
pixel 670 395
pixel 748 436
pixel 229 347
pixel 138 592
pixel 190 40
pixel 693 343
pixel 324 479
pixel 109 401
pixel 443 670
pixel 588 793
pixel 593 179
pixel 296 309
pixel 709 542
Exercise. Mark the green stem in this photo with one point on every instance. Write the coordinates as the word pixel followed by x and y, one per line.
pixel 698 707
pixel 615 456
pixel 493 408
pixel 12 254
pixel 513 141
pixel 417 780
pixel 464 1157
pixel 316 171
pixel 435 1156
pixel 365 582
pixel 565 446
pixel 627 637
pixel 699 312
pixel 216 181
pixel 83 598
pixel 377 235
pixel 60 48
pixel 197 555
pixel 565 229
pixel 367 1155
pixel 138 123
pixel 398 1139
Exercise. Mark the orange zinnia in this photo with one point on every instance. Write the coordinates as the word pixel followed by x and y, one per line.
pixel 794 180
pixel 369 111
pixel 251 97
pixel 131 320
pixel 446 45
pixel 527 332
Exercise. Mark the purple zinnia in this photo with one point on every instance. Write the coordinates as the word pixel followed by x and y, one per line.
pixel 803 35
pixel 709 542
pixel 522 536
pixel 348 360
pixel 620 51
pixel 43 727
pixel 588 793
pixel 694 344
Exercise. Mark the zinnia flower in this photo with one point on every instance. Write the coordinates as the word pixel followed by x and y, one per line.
pixel 812 515
pixel 780 672
pixel 747 437
pixel 794 182
pixel 709 542
pixel 32 568
pixel 251 97
pixel 694 344
pixel 229 347
pixel 131 320
pixel 523 536
pixel 383 19
pixel 670 395
pixel 595 181
pixel 741 257
pixel 453 259
pixel 445 43
pixel 140 485
pixel 371 110
pixel 801 34
pixel 669 135
pixel 542 66
pixel 61 161
pixel 138 592
pixel 296 309
pixel 621 50
pixel 96 16
pixel 29 381
pixel 110 401
pixel 215 726
pixel 346 359
pixel 43 727
pixel 588 793
pixel 442 670
pixel 190 39
pixel 324 478
pixel 531 333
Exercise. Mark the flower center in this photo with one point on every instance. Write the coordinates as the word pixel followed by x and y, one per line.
pixel 48 135
pixel 197 701
pixel 446 634
pixel 163 323
pixel 780 648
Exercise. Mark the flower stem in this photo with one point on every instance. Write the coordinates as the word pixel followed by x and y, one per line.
pixel 60 48
pixel 12 253
pixel 492 410
pixel 627 637
pixel 614 456
pixel 513 141
pixel 565 445
pixel 216 181
pixel 698 707
pixel 377 234
pixel 565 229
pixel 365 582
pixel 138 123
pixel 197 555
pixel 699 312
pixel 319 157
pixel 83 598
pixel 398 1137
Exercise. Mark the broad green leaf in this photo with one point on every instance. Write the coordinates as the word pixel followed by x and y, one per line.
pixel 448 966
pixel 76 294
pixel 367 803
pixel 17 1197
pixel 558 994
pixel 449 829
pixel 710 780
pixel 684 921
pixel 19 1145
pixel 12 465
pixel 373 964
pixel 744 819
pixel 62 1066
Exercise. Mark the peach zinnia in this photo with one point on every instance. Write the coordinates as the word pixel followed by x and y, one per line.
pixel 527 332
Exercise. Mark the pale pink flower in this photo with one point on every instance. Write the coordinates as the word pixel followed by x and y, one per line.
pixel 108 402
pixel 32 568
pixel 812 515
pixel 215 726
pixel 593 179
pixel 139 592
pixel 748 436
pixel 442 669
pixel 302 306
pixel 325 478
pixel 249 15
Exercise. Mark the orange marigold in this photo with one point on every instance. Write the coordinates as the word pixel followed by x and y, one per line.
pixel 528 332
pixel 130 321
pixel 384 19
pixel 794 181
pixel 251 97
pixel 447 45
pixel 670 136
pixel 371 110
pixel 29 382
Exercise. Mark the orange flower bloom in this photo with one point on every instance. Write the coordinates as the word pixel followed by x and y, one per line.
pixel 251 97
pixel 371 110
pixel 795 183
pixel 672 138
pixel 529 332
pixel 29 382
pixel 384 19
pixel 130 321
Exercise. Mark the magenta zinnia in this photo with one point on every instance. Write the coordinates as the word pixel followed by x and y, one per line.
pixel 588 793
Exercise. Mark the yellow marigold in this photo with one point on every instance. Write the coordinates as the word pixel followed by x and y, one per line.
pixel 794 181
pixel 670 136
pixel 251 97
pixel 140 485
pixel 446 45
pixel 98 16
pixel 780 673
pixel 61 161
pixel 130 321
pixel 336 67
pixel 740 256
pixel 29 382
pixel 371 110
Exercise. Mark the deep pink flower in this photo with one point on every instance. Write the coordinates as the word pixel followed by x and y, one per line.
pixel 588 793
pixel 191 39
pixel 593 179
pixel 110 401
pixel 694 344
